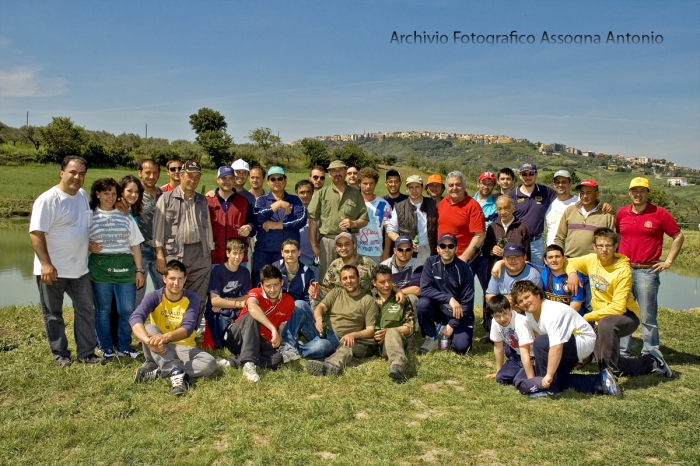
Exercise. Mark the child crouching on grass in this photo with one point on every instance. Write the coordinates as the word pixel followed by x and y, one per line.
pixel 512 339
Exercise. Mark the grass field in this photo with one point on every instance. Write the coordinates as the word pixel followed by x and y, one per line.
pixel 446 412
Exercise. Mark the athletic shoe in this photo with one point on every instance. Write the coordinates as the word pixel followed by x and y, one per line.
pixel 179 381
pixel 331 370
pixel 660 364
pixel 108 354
pixel 250 372
pixel 314 367
pixel 92 359
pixel 223 364
pixel 130 353
pixel 62 361
pixel 289 353
pixel 396 372
pixel 429 344
pixel 539 395
pixel 148 371
pixel 609 382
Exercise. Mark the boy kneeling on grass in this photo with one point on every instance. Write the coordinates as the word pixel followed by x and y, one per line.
pixel 168 342
pixel 512 338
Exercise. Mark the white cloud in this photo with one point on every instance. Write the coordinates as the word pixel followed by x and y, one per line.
pixel 24 81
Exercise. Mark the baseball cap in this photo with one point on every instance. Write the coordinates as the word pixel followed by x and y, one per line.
pixel 403 240
pixel 528 166
pixel 191 166
pixel 487 176
pixel 639 182
pixel 337 164
pixel 275 170
pixel 414 179
pixel 224 171
pixel 447 237
pixel 392 172
pixel 513 250
pixel 240 164
pixel 435 179
pixel 589 183
pixel 344 234
pixel 563 173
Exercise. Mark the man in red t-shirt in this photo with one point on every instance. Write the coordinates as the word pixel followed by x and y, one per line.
pixel 641 226
pixel 460 214
pixel 254 336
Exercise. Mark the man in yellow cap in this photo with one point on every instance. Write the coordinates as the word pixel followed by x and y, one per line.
pixel 641 226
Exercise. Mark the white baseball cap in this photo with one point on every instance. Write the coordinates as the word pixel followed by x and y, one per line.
pixel 240 164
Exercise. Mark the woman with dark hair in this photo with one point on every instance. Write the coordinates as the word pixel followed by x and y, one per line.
pixel 115 266
pixel 132 193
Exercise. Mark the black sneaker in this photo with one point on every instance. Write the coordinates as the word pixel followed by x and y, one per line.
pixel 148 371
pixel 179 381
pixel 396 372
pixel 92 359
pixel 62 361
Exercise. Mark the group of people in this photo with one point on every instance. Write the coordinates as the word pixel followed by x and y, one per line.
pixel 334 271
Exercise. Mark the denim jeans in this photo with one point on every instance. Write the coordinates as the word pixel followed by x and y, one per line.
pixel 537 251
pixel 148 258
pixel 302 323
pixel 125 296
pixel 645 287
pixel 51 299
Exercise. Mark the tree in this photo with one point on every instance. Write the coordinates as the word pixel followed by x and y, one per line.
pixel 60 138
pixel 31 134
pixel 264 138
pixel 315 152
pixel 352 154
pixel 210 127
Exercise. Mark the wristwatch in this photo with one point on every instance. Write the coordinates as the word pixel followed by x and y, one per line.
pixel 139 269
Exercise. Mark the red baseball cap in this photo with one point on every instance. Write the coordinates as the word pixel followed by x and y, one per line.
pixel 589 183
pixel 487 176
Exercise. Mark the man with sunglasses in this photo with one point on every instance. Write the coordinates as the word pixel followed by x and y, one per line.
pixel 280 216
pixel 317 177
pixel 531 203
pixel 173 166
pixel 406 270
pixel 447 298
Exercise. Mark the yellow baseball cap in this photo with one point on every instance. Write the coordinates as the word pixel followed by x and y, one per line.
pixel 639 182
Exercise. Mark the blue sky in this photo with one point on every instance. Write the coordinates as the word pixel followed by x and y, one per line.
pixel 313 68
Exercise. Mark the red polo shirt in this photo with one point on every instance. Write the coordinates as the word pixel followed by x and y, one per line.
pixel 642 234
pixel 277 312
pixel 463 219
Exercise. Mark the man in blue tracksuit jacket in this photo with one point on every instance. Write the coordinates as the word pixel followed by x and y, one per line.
pixel 447 297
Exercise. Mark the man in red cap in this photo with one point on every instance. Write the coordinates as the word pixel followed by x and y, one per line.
pixel 579 221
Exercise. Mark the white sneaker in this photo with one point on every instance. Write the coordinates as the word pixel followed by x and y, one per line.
pixel 250 372
pixel 223 364
pixel 289 353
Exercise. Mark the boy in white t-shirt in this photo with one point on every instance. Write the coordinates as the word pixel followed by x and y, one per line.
pixel 512 339
pixel 565 339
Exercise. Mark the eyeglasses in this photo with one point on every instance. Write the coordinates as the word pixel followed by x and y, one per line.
pixel 276 179
pixel 316 177
pixel 404 249
pixel 447 246
pixel 174 169
pixel 604 246
pixel 352 173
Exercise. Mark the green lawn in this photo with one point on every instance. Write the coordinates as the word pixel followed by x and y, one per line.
pixel 447 412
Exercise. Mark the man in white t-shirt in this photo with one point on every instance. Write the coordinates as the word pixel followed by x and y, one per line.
pixel 565 339
pixel 59 231
pixel 370 238
pixel 562 185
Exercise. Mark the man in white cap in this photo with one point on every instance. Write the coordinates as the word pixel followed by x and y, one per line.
pixel 339 208
pixel 415 217
pixel 241 171
pixel 562 186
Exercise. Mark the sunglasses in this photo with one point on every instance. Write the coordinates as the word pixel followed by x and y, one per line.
pixel 527 174
pixel 404 249
pixel 174 169
pixel 316 177
pixel 276 179
pixel 447 246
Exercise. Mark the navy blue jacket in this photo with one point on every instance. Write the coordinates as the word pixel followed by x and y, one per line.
pixel 299 288
pixel 271 241
pixel 441 282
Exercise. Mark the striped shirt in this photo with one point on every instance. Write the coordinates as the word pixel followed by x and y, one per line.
pixel 116 232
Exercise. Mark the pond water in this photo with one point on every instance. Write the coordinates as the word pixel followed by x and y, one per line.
pixel 680 292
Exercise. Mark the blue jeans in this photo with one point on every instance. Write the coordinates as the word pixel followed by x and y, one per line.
pixel 302 323
pixel 125 296
pixel 645 287
pixel 148 258
pixel 537 251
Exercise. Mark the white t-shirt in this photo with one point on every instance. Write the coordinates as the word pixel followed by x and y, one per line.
pixel 554 212
pixel 370 239
pixel 65 221
pixel 115 231
pixel 560 322
pixel 516 334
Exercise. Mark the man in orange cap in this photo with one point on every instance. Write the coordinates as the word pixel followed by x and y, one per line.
pixel 435 187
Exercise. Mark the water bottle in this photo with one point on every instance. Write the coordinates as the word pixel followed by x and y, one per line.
pixel 444 343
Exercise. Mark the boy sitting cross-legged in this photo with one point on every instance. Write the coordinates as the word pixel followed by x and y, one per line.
pixel 512 338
